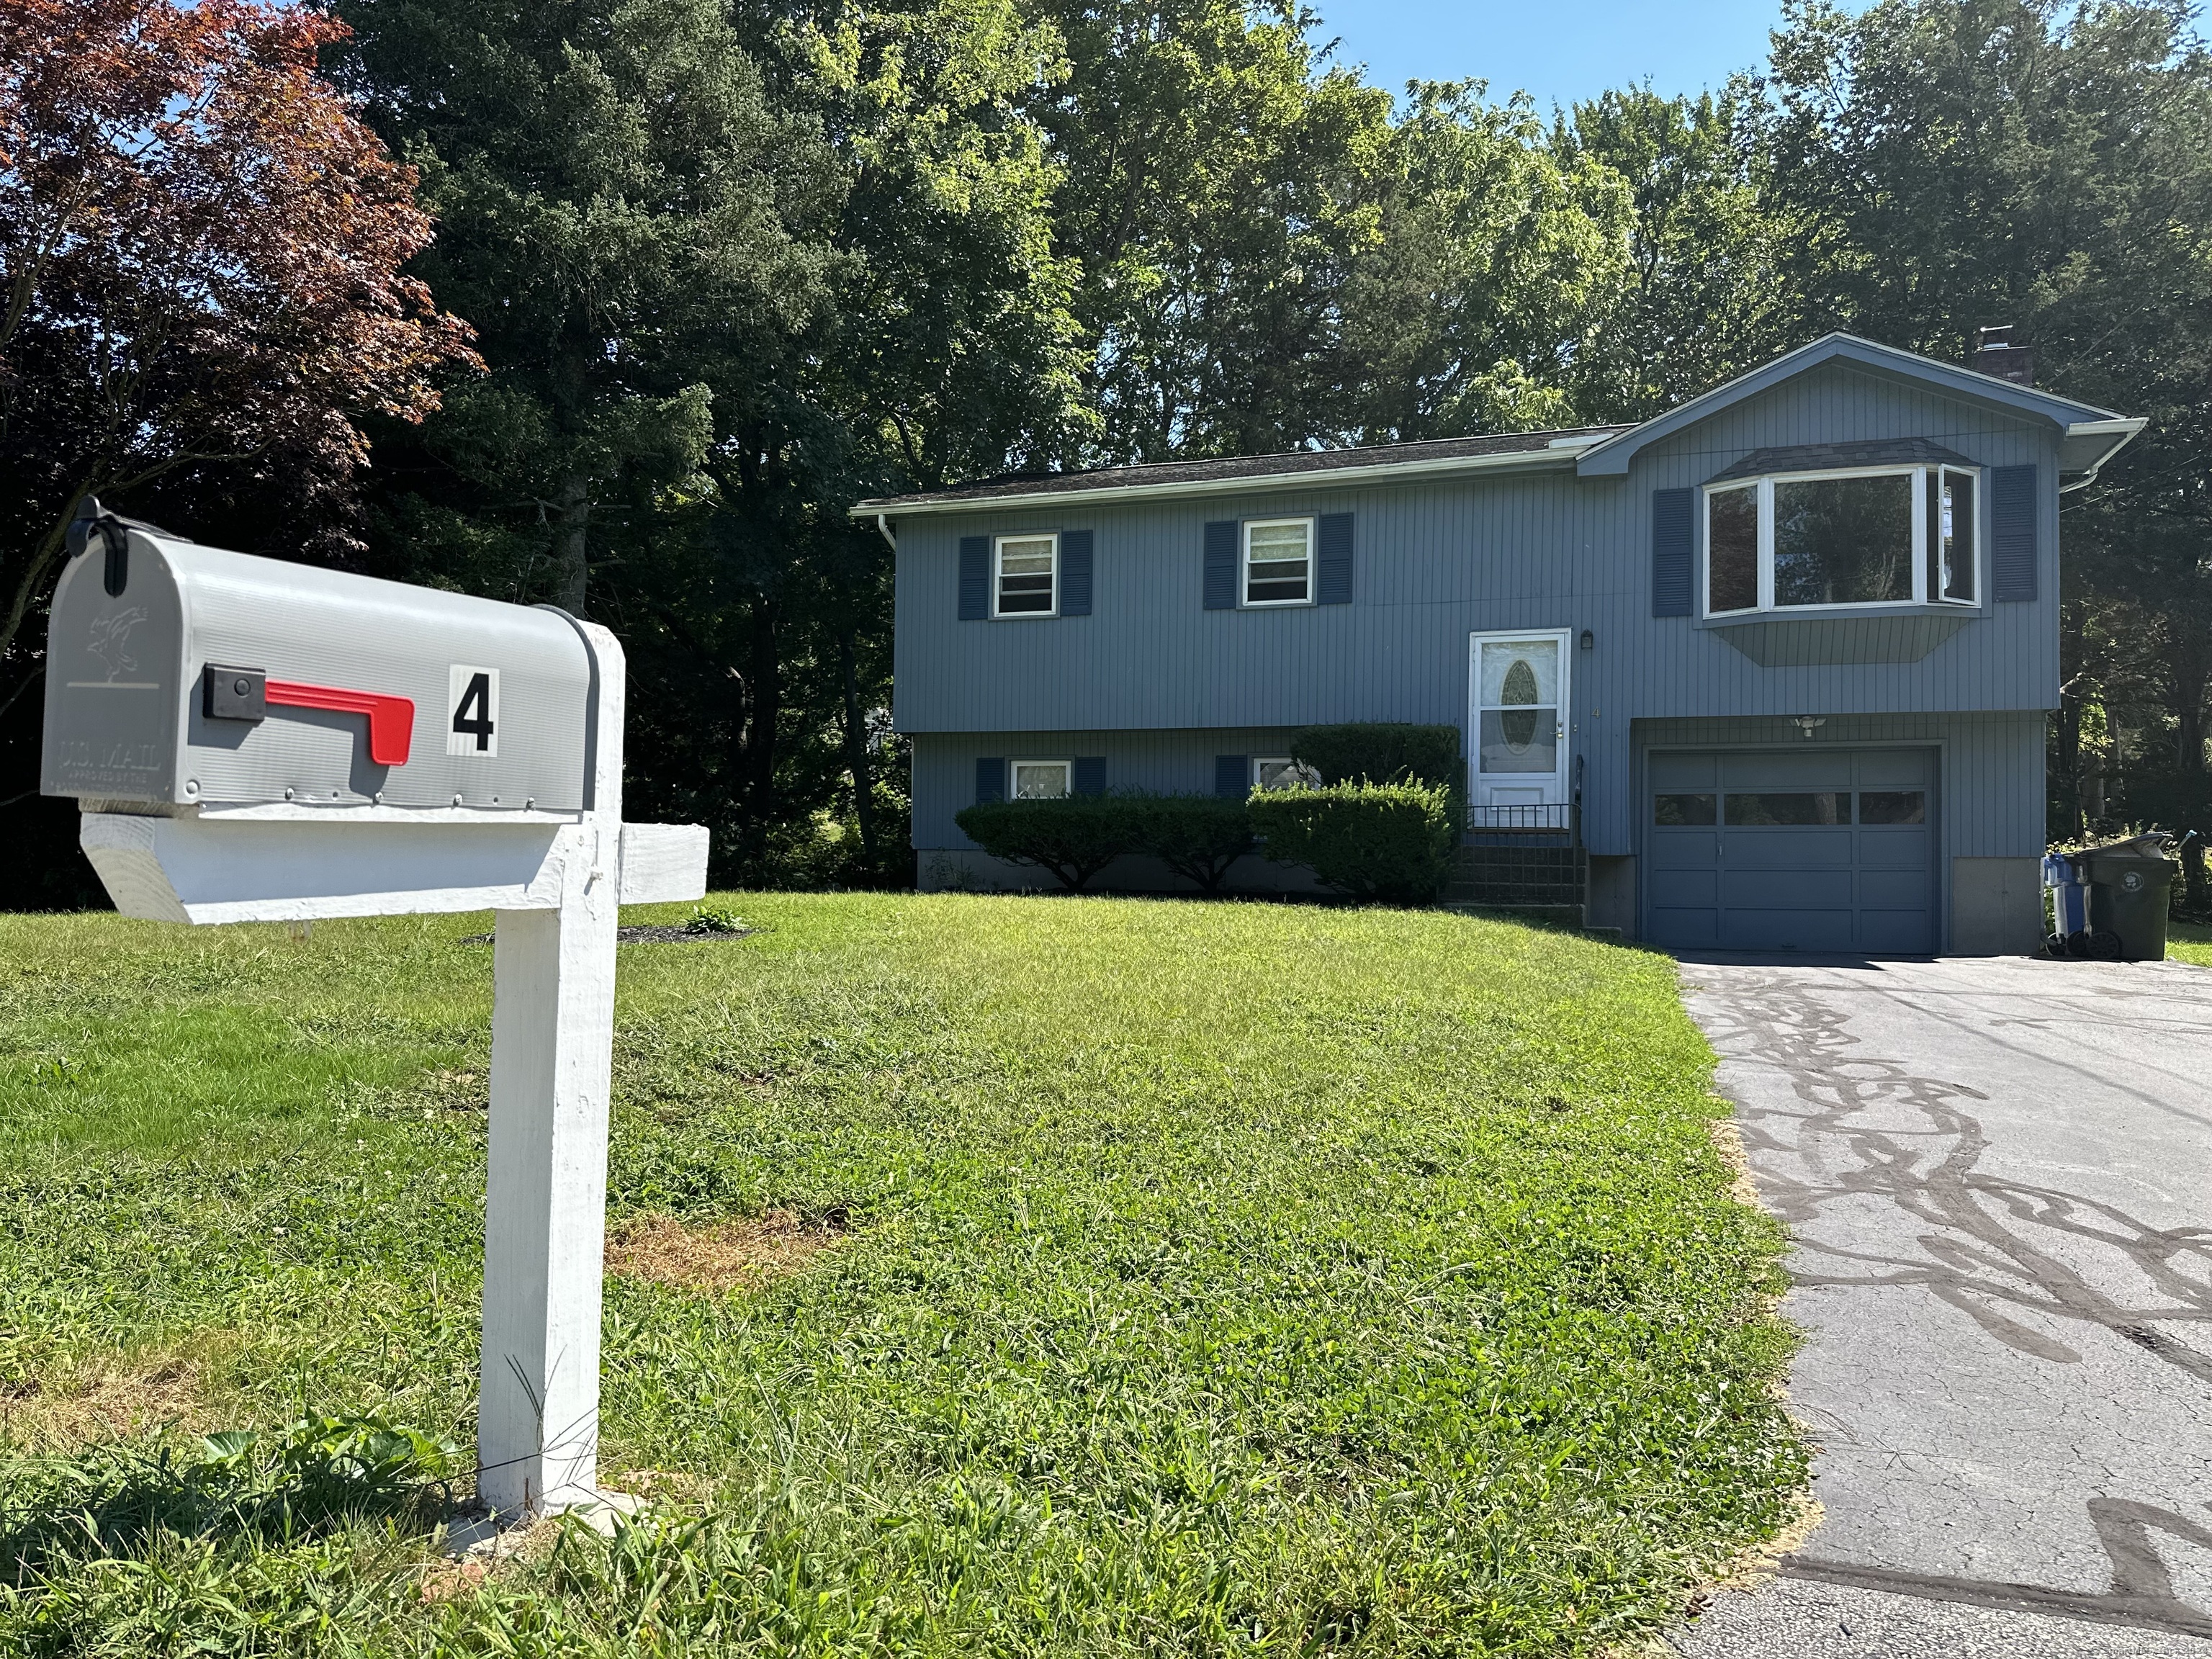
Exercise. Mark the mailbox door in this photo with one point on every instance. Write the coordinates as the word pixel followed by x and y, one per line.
pixel 115 678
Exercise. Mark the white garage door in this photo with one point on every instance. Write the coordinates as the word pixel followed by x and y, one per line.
pixel 1803 849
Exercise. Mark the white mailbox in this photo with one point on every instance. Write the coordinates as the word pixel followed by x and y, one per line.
pixel 183 675
pixel 257 741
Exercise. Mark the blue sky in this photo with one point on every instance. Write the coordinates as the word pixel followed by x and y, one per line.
pixel 1559 50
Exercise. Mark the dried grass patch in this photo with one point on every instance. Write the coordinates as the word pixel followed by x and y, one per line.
pixel 1728 1140
pixel 449 1581
pixel 720 1256
pixel 115 1400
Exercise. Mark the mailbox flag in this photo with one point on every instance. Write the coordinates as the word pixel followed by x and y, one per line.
pixel 391 720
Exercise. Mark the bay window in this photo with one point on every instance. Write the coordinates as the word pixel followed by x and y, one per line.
pixel 1870 535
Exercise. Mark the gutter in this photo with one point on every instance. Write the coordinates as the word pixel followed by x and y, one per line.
pixel 2121 427
pixel 1560 452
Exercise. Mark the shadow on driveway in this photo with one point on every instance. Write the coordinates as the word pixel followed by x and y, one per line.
pixel 1998 1174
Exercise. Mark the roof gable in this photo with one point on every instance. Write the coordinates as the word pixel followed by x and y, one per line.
pixel 1612 457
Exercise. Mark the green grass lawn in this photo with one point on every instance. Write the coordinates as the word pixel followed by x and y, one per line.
pixel 2189 942
pixel 1220 1278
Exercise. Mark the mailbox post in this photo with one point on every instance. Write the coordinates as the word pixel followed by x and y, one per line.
pixel 254 741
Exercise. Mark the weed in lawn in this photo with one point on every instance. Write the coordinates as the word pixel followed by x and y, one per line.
pixel 1232 1279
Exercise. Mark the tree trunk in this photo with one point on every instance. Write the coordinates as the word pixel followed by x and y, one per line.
pixel 2068 743
pixel 764 685
pixel 571 566
pixel 2190 661
pixel 2192 668
pixel 856 749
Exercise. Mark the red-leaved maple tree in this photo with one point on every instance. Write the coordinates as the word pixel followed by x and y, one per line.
pixel 202 250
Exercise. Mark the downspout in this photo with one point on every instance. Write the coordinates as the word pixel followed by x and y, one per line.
pixel 883 529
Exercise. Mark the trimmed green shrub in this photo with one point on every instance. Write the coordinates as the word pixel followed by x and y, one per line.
pixel 1391 841
pixel 1199 836
pixel 1074 839
pixel 1377 752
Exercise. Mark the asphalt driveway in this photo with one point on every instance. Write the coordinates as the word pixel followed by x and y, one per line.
pixel 1999 1175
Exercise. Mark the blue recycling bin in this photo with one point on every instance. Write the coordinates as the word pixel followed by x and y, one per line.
pixel 2070 905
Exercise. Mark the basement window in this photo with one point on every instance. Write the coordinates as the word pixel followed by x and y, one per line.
pixel 1280 772
pixel 1867 536
pixel 1042 779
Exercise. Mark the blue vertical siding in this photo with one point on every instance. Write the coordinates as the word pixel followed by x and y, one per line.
pixel 1164 763
pixel 1160 685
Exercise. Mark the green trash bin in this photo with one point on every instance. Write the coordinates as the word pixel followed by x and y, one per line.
pixel 2130 883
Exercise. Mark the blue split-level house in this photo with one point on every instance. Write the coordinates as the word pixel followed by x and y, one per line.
pixel 1778 661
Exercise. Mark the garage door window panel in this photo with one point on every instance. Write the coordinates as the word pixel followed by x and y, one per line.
pixel 1779 809
pixel 1682 810
pixel 1893 806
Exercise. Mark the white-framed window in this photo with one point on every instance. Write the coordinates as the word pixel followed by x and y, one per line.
pixel 1025 575
pixel 1040 780
pixel 1278 558
pixel 1863 536
pixel 1281 772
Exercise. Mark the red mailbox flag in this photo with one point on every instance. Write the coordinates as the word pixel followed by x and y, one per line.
pixel 391 720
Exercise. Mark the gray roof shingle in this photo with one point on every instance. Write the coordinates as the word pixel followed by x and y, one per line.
pixel 1219 468
pixel 1831 458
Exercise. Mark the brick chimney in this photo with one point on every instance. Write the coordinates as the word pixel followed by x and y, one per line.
pixel 1996 354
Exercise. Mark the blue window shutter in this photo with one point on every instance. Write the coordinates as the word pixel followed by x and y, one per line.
pixel 990 778
pixel 1674 558
pixel 1221 564
pixel 1075 573
pixel 1231 776
pixel 2012 532
pixel 1333 583
pixel 974 578
pixel 1088 776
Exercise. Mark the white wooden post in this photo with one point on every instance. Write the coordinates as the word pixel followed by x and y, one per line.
pixel 294 840
pixel 553 1011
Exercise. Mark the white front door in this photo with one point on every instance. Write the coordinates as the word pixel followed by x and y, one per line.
pixel 1517 726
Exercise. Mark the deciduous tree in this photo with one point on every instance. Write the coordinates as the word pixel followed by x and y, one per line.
pixel 1939 165
pixel 202 248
